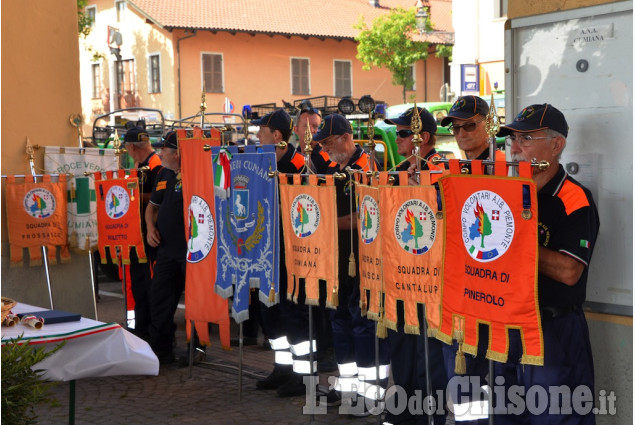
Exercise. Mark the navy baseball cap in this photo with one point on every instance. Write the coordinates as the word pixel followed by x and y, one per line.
pixel 278 120
pixel 333 125
pixel 168 141
pixel 428 123
pixel 136 134
pixel 465 108
pixel 536 118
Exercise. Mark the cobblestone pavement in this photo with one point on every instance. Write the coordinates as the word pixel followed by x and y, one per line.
pixel 209 396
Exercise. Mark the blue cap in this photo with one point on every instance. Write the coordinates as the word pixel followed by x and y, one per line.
pixel 333 125
pixel 428 123
pixel 168 141
pixel 535 118
pixel 278 120
pixel 136 134
pixel 465 108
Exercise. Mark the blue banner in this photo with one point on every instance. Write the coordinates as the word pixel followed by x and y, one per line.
pixel 248 230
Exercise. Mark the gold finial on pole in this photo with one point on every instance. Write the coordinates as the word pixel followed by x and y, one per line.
pixel 308 138
pixel 492 123
pixel 415 127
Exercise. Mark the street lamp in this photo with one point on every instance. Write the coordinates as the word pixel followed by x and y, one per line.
pixel 421 18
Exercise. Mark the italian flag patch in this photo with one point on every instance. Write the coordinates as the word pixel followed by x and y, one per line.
pixel 584 243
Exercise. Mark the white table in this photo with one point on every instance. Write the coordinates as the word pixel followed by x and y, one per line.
pixel 92 349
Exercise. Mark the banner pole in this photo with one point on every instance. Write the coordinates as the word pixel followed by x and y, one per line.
pixel 45 260
pixel 92 280
pixel 490 399
pixel 240 361
pixel 427 363
pixel 378 417
pixel 312 392
pixel 190 354
pixel 125 293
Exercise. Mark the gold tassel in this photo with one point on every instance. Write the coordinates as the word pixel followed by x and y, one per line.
pixel 382 332
pixel 460 367
pixel 73 241
pixel 352 268
pixel 334 297
pixel 272 294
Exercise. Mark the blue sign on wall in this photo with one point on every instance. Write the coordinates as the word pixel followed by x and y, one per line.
pixel 469 79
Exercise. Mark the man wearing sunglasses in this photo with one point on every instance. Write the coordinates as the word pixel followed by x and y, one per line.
pixel 466 121
pixel 405 146
pixel 311 117
pixel 568 225
pixel 407 351
pixel 353 335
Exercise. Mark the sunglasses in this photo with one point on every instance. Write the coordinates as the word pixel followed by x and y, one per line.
pixel 405 133
pixel 469 127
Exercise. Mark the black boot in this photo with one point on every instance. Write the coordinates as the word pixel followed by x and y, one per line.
pixel 279 375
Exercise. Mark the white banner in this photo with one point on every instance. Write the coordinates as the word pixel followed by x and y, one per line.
pixel 82 208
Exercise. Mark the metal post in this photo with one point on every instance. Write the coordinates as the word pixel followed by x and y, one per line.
pixel 378 417
pixel 240 360
pixel 191 352
pixel 71 403
pixel 45 261
pixel 312 391
pixel 427 363
pixel 125 292
pixel 490 398
pixel 92 282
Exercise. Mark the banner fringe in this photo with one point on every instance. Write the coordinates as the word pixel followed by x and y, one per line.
pixel 497 357
pixel 532 360
pixel 311 301
pixel 411 329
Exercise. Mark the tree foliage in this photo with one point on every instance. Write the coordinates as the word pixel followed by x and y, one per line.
pixel 83 22
pixel 389 43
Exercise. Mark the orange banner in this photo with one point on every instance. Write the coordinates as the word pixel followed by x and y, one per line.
pixel 490 262
pixel 413 251
pixel 202 304
pixel 36 217
pixel 309 224
pixel 119 215
pixel 370 252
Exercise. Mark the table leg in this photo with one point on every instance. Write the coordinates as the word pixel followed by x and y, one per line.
pixel 71 404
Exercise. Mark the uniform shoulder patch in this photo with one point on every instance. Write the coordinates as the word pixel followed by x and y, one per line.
pixel 573 197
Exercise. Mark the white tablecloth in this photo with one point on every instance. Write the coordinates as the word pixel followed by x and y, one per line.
pixel 92 348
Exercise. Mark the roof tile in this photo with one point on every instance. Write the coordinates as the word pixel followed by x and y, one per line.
pixel 322 18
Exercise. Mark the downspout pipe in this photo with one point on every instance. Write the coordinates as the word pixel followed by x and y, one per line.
pixel 178 66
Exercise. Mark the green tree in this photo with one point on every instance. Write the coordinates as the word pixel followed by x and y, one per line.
pixel 391 43
pixel 368 222
pixel 83 22
pixel 485 228
pixel 193 229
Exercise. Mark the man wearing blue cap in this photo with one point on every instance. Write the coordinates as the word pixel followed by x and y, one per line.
pixel 353 335
pixel 568 227
pixel 405 146
pixel 285 324
pixel 407 351
pixel 137 144
pixel 310 117
pixel 166 232
pixel 466 121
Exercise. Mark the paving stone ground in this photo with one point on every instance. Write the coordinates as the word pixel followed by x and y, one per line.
pixel 209 396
